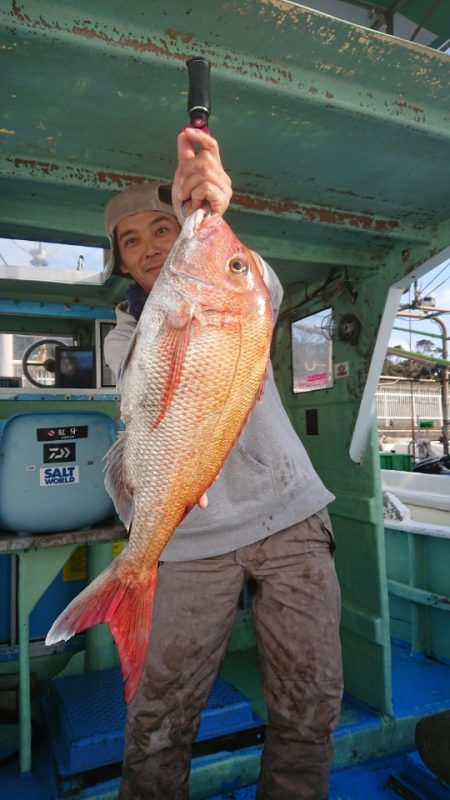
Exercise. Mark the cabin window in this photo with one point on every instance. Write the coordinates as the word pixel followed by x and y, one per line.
pixel 53 262
pixel 312 353
pixel 37 350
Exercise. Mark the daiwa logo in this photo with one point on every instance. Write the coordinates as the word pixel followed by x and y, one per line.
pixel 55 476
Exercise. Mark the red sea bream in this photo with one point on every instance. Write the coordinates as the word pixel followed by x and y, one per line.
pixel 193 372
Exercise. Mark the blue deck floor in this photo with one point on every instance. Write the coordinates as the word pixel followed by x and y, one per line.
pixel 372 782
pixel 368 782
pixel 421 687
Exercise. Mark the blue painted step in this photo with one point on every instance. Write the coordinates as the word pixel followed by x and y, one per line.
pixel 86 719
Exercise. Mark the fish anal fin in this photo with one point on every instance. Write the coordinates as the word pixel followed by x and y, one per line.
pixel 173 342
pixel 258 396
pixel 115 482
pixel 262 385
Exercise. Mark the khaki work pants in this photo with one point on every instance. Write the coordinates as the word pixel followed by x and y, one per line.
pixel 296 610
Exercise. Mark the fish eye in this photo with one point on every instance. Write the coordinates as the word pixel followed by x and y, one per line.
pixel 237 266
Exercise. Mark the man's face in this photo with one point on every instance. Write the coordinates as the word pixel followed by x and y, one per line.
pixel 144 241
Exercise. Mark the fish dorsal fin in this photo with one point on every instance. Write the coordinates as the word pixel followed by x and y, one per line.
pixel 115 483
pixel 173 342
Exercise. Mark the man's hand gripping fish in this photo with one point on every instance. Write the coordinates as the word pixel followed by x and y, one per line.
pixel 194 370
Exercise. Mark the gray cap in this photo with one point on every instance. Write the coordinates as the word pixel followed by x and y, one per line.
pixel 150 196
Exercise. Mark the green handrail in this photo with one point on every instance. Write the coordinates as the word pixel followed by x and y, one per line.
pixel 398 351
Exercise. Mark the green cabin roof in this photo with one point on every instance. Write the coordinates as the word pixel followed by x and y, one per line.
pixel 337 137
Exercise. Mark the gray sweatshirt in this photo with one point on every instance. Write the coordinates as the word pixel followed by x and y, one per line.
pixel 267 482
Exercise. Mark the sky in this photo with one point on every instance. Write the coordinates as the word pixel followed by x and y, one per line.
pixel 437 284
pixel 12 251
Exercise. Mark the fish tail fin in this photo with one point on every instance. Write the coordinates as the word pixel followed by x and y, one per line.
pixel 122 597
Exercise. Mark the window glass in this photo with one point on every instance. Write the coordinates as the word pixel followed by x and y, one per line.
pixel 312 353
pixel 29 358
pixel 22 259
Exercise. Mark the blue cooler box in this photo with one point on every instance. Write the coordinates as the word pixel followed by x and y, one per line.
pixel 52 471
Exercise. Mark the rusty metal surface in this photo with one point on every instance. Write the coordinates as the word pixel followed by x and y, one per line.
pixel 105 532
pixel 337 138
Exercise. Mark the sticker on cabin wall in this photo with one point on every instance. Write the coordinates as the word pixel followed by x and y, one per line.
pixel 342 370
pixel 60 434
pixel 58 476
pixel 59 452
pixel 75 567
pixel 316 380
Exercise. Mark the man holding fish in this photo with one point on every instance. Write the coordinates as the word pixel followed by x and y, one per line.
pixel 202 412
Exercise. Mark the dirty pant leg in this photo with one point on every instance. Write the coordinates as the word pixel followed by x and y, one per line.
pixel 194 610
pixel 296 616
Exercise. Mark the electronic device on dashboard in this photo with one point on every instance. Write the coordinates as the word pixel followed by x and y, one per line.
pixel 75 367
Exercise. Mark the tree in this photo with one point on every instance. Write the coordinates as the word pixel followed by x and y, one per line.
pixel 429 371
pixel 396 366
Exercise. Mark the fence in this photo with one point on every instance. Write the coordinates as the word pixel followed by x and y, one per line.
pixel 407 402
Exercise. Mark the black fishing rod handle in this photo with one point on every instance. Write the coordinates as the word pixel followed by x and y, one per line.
pixel 199 98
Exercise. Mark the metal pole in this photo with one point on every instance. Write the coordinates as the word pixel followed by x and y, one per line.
pixel 422 22
pixel 413 422
pixel 24 667
pixel 6 354
pixel 444 374
pixel 444 384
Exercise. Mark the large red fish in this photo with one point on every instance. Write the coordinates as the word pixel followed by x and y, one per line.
pixel 193 372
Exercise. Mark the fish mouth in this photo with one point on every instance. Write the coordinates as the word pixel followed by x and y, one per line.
pixel 206 219
pixel 200 221
pixel 196 224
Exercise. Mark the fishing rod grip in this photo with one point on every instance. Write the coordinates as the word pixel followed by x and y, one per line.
pixel 199 98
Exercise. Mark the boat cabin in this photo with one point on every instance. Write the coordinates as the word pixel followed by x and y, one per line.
pixel 337 141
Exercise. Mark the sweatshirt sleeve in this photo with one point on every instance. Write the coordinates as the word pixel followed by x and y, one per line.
pixel 117 342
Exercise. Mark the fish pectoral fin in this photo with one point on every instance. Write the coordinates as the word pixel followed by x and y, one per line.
pixel 115 482
pixel 173 342
pixel 128 354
